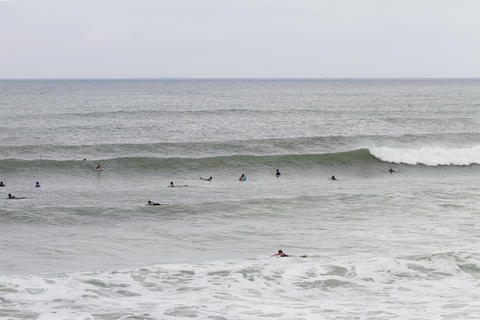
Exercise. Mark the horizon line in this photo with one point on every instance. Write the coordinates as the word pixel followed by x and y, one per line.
pixel 241 78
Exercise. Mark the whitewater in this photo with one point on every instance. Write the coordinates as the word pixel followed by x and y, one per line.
pixel 379 245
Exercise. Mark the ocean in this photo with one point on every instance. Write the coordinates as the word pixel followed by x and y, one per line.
pixel 379 245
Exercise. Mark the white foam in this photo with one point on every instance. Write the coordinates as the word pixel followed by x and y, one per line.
pixel 279 288
pixel 430 156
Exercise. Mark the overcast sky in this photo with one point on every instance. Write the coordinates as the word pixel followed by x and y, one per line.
pixel 239 38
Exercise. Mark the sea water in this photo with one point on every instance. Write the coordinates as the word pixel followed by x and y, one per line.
pixel 380 246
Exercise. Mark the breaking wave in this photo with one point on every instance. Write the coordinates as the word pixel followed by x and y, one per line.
pixel 429 156
pixel 254 288
pixel 360 158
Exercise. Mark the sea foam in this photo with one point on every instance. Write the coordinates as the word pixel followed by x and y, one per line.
pixel 280 288
pixel 430 156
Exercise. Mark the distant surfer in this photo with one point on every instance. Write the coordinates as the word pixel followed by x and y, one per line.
pixel 391 171
pixel 333 178
pixel 99 168
pixel 150 203
pixel 2 184
pixel 10 196
pixel 243 177
pixel 280 254
pixel 37 185
pixel 206 179
pixel 277 173
pixel 174 185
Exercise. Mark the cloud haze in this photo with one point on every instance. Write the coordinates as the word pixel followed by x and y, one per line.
pixel 249 38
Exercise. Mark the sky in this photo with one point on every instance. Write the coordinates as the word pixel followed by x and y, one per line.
pixel 239 38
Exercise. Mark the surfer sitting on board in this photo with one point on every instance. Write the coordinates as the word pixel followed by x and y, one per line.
pixel 243 177
pixel 391 170
pixel 333 178
pixel 277 173
pixel 1 184
pixel 99 168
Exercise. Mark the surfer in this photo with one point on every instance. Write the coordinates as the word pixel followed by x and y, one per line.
pixel 280 254
pixel 177 185
pixel 391 171
pixel 99 168
pixel 243 177
pixel 150 203
pixel 333 178
pixel 206 179
pixel 277 173
pixel 37 185
pixel 10 196
pixel 2 184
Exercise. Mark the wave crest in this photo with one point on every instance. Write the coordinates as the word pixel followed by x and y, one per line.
pixel 429 156
pixel 358 159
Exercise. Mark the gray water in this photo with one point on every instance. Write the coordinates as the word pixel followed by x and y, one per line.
pixel 379 245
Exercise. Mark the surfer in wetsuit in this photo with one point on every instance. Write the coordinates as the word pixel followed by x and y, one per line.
pixel 150 203
pixel 178 185
pixel 13 197
pixel 280 254
pixel 206 179
pixel 243 177
pixel 333 178
pixel 1 184
pixel 37 185
pixel 99 168
pixel 391 171
pixel 277 173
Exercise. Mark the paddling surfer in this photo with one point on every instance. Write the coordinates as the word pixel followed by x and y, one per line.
pixel 280 254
